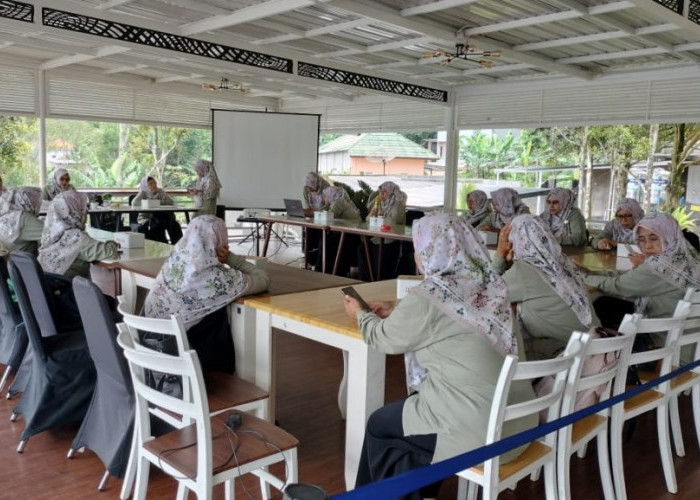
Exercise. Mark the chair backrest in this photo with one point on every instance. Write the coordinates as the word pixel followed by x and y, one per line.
pixel 100 331
pixel 30 321
pixel 172 326
pixel 36 287
pixel 692 295
pixel 690 338
pixel 194 409
pixel 671 328
pixel 9 316
pixel 513 370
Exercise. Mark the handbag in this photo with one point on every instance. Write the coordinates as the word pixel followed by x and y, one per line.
pixel 162 382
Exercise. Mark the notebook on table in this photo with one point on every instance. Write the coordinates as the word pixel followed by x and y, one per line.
pixel 294 208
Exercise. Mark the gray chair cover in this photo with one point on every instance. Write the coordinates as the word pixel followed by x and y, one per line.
pixel 13 338
pixel 63 375
pixel 108 425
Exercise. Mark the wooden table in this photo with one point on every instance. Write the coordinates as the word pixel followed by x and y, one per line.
pixel 603 262
pixel 320 316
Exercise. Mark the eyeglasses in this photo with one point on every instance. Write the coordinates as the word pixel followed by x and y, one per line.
pixel 552 202
pixel 624 216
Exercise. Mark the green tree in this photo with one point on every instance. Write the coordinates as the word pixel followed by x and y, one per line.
pixel 15 147
pixel 685 139
pixel 482 152
pixel 420 138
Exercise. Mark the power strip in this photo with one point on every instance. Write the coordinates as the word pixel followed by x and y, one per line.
pixel 252 213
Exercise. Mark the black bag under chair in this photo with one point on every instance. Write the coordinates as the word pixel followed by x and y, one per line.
pixel 107 428
pixel 62 377
pixel 13 337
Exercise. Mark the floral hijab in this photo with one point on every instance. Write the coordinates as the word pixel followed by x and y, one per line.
pixel 64 232
pixel 481 207
pixel 55 187
pixel 314 185
pixel 678 264
pixel 12 203
pixel 395 195
pixel 334 193
pixel 460 281
pixel 622 234
pixel 207 180
pixel 534 244
pixel 145 190
pixel 192 281
pixel 559 224
pixel 509 205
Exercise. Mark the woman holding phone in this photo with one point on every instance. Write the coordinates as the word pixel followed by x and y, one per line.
pixel 455 327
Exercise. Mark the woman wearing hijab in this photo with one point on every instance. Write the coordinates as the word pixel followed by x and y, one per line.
pixel 20 228
pixel 506 204
pixel 479 207
pixel 563 219
pixel 621 228
pixel 550 292
pixel 60 183
pixel 199 279
pixel 389 203
pixel 669 267
pixel 65 246
pixel 343 208
pixel 206 191
pixel 457 327
pixel 152 224
pixel 312 195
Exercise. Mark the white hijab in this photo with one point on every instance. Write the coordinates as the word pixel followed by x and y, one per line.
pixel 64 232
pixel 55 187
pixel 192 281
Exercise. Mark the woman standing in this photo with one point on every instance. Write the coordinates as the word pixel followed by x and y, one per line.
pixel 60 184
pixel 206 191
pixel 199 279
pixel 621 228
pixel 563 219
pixel 154 225
pixel 65 246
pixel 457 326
pixel 389 203
pixel 479 207
pixel 506 204
pixel 20 227
pixel 547 288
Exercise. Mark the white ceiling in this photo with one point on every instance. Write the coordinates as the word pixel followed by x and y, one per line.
pixel 582 40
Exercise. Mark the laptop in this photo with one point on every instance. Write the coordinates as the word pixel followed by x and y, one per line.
pixel 294 208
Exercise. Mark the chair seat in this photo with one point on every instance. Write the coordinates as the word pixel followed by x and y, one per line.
pixel 677 381
pixel 532 453
pixel 223 389
pixel 179 448
pixel 642 399
pixel 583 427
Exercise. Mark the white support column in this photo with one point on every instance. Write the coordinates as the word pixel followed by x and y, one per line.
pixel 41 114
pixel 451 153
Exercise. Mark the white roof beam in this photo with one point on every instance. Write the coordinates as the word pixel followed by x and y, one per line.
pixel 574 40
pixel 502 68
pixel 440 34
pixel 434 7
pixel 105 51
pixel 112 4
pixel 612 55
pixel 199 7
pixel 177 78
pixel 661 13
pixel 245 15
pixel 124 69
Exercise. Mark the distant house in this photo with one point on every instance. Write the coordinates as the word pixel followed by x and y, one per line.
pixel 374 154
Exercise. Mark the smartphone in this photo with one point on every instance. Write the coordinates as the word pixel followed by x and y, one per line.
pixel 629 248
pixel 348 290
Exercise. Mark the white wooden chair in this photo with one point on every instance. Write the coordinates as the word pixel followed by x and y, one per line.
pixel 649 400
pixel 206 451
pixel 495 476
pixel 574 438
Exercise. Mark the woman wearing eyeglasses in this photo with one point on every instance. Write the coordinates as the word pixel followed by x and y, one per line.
pixel 563 219
pixel 620 229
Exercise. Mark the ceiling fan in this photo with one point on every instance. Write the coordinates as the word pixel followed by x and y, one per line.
pixel 465 52
pixel 225 85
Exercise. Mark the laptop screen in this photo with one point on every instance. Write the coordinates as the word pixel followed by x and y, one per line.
pixel 294 208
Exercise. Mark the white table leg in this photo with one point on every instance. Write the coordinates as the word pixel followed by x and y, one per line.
pixel 243 332
pixel 343 389
pixel 264 364
pixel 366 374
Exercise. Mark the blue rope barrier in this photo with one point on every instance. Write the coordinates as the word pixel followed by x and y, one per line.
pixel 410 481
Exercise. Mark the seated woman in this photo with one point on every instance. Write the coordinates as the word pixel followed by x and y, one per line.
pixel 342 207
pixel 548 289
pixel 65 247
pixel 20 228
pixel 563 219
pixel 458 326
pixel 60 183
pixel 199 279
pixel 206 191
pixel 506 204
pixel 479 207
pixel 312 200
pixel 152 224
pixel 620 230
pixel 389 203
pixel 669 266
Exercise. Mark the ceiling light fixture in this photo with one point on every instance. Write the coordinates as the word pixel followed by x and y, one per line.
pixel 465 52
pixel 224 85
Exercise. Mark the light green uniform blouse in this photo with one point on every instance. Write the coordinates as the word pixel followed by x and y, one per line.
pixel 29 235
pixel 396 215
pixel 455 399
pixel 91 251
pixel 549 320
pixel 258 279
pixel 345 209
pixel 577 230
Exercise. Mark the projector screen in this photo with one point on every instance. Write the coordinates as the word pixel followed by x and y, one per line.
pixel 262 158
